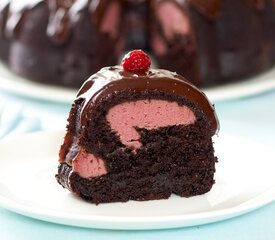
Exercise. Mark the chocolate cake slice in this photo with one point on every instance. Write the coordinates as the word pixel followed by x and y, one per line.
pixel 136 133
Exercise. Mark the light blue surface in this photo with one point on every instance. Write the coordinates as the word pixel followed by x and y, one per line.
pixel 252 117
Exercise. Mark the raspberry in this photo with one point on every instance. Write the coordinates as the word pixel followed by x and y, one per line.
pixel 136 61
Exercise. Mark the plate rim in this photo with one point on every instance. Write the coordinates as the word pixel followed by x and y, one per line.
pixel 135 222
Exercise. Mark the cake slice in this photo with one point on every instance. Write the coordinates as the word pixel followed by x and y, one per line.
pixel 136 133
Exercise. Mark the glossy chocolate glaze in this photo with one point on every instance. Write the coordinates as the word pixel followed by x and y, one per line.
pixel 3 17
pixel 112 79
pixel 210 8
pixel 258 4
pixel 63 13
pixel 60 19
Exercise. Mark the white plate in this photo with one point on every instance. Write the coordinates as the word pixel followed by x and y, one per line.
pixel 245 181
pixel 16 84
pixel 19 85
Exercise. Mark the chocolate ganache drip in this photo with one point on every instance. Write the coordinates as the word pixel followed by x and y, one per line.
pixel 258 4
pixel 4 4
pixel 211 9
pixel 63 14
pixel 112 79
pixel 60 20
pixel 17 11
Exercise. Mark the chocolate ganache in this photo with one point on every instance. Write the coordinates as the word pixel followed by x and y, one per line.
pixel 63 13
pixel 211 8
pixel 62 42
pixel 115 79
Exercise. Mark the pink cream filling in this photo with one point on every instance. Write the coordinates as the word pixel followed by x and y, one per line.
pixel 158 45
pixel 148 114
pixel 110 22
pixel 87 165
pixel 173 19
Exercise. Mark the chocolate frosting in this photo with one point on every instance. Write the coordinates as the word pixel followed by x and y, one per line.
pixel 111 79
pixel 16 12
pixel 3 16
pixel 59 27
pixel 63 13
pixel 258 4
pixel 209 8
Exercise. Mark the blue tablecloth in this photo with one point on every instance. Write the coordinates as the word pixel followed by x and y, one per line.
pixel 252 117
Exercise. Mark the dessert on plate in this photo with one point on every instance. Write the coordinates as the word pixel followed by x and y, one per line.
pixel 210 42
pixel 136 133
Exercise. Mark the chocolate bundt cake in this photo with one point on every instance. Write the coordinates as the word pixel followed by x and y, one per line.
pixel 138 134
pixel 210 42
